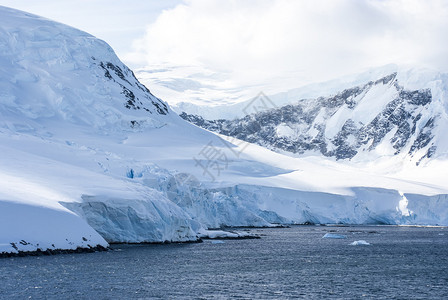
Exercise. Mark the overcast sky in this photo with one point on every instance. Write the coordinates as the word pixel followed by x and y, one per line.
pixel 118 22
pixel 282 43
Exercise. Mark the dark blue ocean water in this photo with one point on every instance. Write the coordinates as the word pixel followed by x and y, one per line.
pixel 400 263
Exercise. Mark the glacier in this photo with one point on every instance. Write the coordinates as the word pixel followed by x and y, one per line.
pixel 89 156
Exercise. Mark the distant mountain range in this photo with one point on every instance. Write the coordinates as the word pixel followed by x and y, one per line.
pixel 364 122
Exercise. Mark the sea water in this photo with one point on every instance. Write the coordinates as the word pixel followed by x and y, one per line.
pixel 296 262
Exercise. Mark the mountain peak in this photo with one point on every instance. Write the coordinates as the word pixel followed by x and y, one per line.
pixel 53 71
pixel 377 119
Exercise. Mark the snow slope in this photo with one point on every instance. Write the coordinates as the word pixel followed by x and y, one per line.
pixel 90 156
pixel 58 83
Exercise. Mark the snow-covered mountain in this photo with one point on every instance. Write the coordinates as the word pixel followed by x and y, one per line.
pixel 89 156
pixel 80 138
pixel 71 76
pixel 376 119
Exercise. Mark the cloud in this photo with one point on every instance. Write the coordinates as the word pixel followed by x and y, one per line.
pixel 286 43
pixel 117 22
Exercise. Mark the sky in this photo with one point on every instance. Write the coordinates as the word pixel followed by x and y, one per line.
pixel 224 51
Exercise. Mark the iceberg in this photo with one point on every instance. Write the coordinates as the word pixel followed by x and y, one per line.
pixel 334 236
pixel 360 243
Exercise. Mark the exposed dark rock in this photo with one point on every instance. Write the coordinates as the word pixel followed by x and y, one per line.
pixel 126 79
pixel 424 137
pixel 40 252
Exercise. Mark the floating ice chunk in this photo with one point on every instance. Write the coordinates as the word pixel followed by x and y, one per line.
pixel 360 243
pixel 217 234
pixel 221 234
pixel 334 236
pixel 217 242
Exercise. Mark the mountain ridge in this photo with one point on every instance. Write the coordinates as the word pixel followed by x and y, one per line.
pixel 355 120
pixel 65 69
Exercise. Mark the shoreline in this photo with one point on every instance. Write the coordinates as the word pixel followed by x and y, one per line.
pixel 79 250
